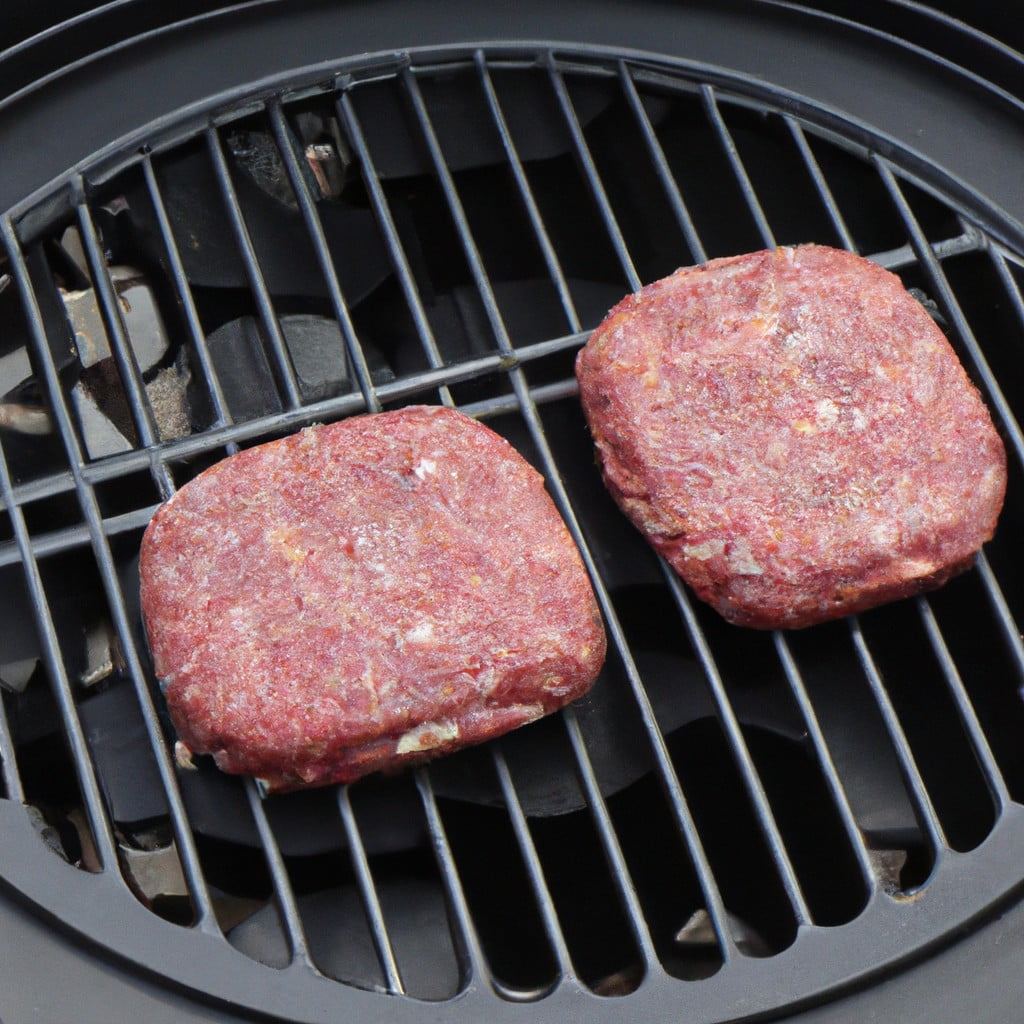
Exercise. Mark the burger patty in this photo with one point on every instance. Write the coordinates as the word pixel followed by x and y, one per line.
pixel 794 433
pixel 364 595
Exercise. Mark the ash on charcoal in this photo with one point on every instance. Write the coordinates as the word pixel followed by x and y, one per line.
pixel 167 393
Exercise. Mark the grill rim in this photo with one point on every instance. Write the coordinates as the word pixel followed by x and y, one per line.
pixel 675 983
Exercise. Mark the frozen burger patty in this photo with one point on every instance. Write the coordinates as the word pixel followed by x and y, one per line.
pixel 793 432
pixel 364 595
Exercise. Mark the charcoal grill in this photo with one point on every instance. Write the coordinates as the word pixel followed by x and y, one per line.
pixel 322 211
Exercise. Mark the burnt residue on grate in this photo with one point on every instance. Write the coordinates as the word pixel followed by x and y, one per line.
pixel 448 234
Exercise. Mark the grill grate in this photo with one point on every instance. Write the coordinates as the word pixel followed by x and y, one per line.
pixel 758 802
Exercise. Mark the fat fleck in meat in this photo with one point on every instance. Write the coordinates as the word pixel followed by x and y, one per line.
pixel 365 595
pixel 793 432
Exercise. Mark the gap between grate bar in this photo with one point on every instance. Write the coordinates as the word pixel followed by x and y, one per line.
pixel 821 186
pixel 664 172
pixel 710 102
pixel 108 573
pixel 965 710
pixel 347 117
pixel 257 283
pixel 368 894
pixel 315 231
pixel 283 892
pixel 474 963
pixel 1011 632
pixel 927 816
pixel 534 868
pixel 183 291
pixel 540 232
pixel 1010 422
pixel 590 173
pixel 834 784
pixel 738 747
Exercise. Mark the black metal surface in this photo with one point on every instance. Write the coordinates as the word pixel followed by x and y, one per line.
pixel 829 804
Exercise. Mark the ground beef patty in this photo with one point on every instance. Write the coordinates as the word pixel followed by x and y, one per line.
pixel 363 595
pixel 793 432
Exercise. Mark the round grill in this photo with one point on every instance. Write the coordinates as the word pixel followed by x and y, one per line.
pixel 733 822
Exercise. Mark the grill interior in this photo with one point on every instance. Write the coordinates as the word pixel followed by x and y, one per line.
pixel 726 803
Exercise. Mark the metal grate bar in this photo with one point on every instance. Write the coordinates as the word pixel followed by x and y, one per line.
pixel 84 769
pixel 121 349
pixel 965 709
pixel 444 177
pixel 315 230
pixel 119 614
pixel 490 304
pixel 183 292
pixel 1007 623
pixel 820 184
pixel 679 806
pixel 944 293
pixel 833 783
pixel 661 167
pixel 482 282
pixel 609 840
pixel 72 537
pixel 474 963
pixel 283 892
pixel 591 175
pixel 348 118
pixel 928 818
pixel 739 749
pixel 13 789
pixel 115 466
pixel 969 240
pixel 257 283
pixel 707 95
pixel 534 868
pixel 1012 289
pixel 368 894
pixel 540 232
pixel 527 408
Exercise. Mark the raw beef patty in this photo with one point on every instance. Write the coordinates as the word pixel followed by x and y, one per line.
pixel 793 432
pixel 363 595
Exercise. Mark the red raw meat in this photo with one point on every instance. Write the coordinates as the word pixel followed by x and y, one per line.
pixel 793 432
pixel 365 595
